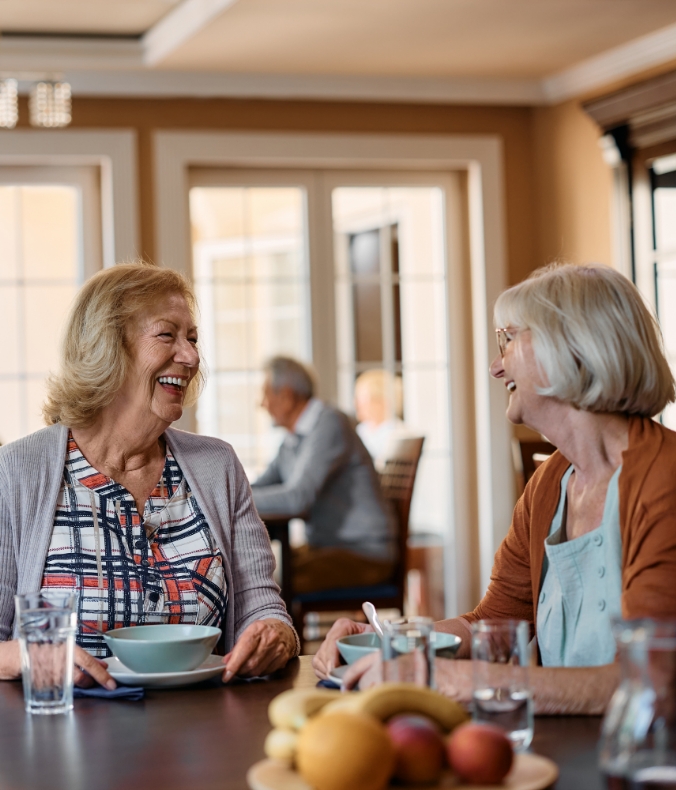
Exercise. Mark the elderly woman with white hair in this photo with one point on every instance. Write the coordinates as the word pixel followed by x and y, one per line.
pixel 148 523
pixel 594 534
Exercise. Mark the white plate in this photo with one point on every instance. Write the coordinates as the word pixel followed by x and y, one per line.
pixel 164 680
pixel 337 674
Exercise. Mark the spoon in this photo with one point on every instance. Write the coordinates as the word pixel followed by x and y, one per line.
pixel 372 616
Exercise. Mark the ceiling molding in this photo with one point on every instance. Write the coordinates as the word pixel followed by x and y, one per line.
pixel 178 26
pixel 621 62
pixel 120 67
pixel 56 54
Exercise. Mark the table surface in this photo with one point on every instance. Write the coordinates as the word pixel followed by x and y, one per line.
pixel 200 738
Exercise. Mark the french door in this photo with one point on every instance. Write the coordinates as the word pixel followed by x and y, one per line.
pixel 50 242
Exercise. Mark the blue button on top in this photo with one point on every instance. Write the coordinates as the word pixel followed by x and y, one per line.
pixel 601 571
pixel 542 597
pixel 602 605
pixel 598 539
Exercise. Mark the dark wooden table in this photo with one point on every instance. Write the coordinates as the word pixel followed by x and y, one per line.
pixel 200 738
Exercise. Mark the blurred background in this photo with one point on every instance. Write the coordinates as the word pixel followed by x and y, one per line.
pixel 350 183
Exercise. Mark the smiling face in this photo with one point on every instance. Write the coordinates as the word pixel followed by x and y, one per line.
pixel 165 359
pixel 522 378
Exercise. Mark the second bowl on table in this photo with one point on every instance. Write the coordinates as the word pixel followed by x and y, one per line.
pixel 353 647
pixel 163 648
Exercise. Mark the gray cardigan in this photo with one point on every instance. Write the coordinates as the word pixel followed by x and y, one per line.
pixel 31 472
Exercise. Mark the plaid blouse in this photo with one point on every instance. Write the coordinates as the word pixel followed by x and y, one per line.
pixel 163 568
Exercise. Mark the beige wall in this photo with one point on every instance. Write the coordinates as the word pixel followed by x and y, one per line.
pixel 557 187
pixel 573 186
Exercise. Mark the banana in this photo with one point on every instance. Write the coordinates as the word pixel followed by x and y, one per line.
pixel 291 709
pixel 281 745
pixel 388 699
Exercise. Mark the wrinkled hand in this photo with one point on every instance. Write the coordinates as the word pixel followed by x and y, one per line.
pixel 328 657
pixel 366 672
pixel 263 647
pixel 454 679
pixel 95 670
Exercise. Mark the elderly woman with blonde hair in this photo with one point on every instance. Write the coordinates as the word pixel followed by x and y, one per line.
pixel 594 534
pixel 148 523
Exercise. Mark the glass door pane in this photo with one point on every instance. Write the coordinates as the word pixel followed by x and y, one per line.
pixel 251 275
pixel 391 314
pixel 42 264
pixel 664 235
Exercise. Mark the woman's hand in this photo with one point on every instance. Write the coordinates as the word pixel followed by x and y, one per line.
pixel 366 672
pixel 454 679
pixel 328 657
pixel 263 647
pixel 88 670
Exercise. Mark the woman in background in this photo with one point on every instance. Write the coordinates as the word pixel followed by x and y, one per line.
pixel 378 407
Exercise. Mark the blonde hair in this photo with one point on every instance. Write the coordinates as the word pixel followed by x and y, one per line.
pixel 382 386
pixel 594 339
pixel 95 351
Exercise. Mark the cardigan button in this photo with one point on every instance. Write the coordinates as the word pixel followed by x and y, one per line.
pixel 602 605
pixel 598 539
pixel 601 571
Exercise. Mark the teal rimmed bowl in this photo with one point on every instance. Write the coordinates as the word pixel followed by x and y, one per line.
pixel 352 648
pixel 163 648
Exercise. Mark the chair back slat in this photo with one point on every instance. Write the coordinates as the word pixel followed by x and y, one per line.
pixel 397 479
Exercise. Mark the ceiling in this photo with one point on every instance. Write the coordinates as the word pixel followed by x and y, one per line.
pixel 522 48
pixel 431 38
pixel 116 17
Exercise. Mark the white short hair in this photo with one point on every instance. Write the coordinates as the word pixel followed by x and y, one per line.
pixel 597 344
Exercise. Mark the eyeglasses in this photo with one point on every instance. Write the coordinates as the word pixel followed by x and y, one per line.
pixel 503 336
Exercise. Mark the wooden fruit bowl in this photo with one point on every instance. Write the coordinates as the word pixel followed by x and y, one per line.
pixel 529 772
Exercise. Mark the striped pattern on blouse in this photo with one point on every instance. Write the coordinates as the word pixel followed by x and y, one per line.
pixel 128 570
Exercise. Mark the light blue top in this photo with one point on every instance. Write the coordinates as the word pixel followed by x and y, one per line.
pixel 581 589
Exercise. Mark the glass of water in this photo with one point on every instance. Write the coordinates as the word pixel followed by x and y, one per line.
pixel 408 653
pixel 46 626
pixel 501 688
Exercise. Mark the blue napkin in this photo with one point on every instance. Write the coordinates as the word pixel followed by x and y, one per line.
pixel 132 693
pixel 327 684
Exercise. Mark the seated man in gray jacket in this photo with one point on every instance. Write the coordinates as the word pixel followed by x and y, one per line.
pixel 323 470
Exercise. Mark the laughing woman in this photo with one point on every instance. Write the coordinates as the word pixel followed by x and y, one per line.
pixel 594 534
pixel 150 524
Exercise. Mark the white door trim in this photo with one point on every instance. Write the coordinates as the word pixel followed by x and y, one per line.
pixel 114 152
pixel 480 156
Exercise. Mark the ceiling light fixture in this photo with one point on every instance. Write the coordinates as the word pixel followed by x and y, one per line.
pixel 49 104
pixel 9 103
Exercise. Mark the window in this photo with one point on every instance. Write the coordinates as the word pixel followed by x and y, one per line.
pixel 49 243
pixel 251 276
pixel 663 180
pixel 390 264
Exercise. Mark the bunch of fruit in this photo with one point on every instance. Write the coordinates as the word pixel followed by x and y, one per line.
pixel 393 731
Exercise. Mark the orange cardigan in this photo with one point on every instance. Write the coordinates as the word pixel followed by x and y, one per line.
pixel 647 488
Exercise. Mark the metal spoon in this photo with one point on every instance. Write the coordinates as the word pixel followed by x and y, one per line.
pixel 372 616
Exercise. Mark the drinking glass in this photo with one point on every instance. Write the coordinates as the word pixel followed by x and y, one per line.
pixel 46 626
pixel 501 689
pixel 637 749
pixel 408 653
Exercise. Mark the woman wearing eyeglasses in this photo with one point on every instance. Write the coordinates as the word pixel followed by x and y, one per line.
pixel 594 534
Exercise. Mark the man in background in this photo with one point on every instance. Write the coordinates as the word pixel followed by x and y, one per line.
pixel 324 473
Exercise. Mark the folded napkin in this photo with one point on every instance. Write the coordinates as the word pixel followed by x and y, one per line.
pixel 132 693
pixel 328 684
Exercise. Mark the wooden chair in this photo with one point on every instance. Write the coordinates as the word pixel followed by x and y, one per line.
pixel 397 479
pixel 533 454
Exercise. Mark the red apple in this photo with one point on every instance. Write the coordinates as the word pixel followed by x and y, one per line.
pixel 418 747
pixel 480 753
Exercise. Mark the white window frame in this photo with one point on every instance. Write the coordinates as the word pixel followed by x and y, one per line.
pixel 114 152
pixel 480 157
